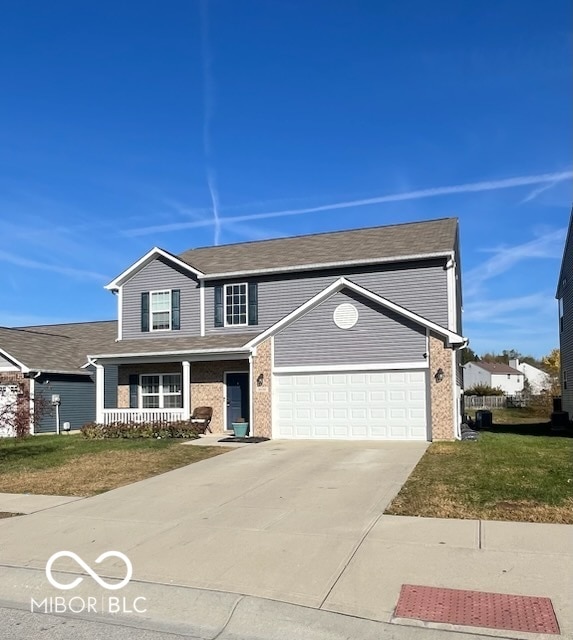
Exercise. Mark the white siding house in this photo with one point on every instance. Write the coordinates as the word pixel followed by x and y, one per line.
pixel 493 374
pixel 538 380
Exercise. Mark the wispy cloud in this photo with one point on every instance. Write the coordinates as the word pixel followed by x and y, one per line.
pixel 19 261
pixel 508 310
pixel 539 190
pixel 208 111
pixel 470 187
pixel 505 258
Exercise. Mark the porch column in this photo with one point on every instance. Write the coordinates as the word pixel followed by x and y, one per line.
pixel 100 381
pixel 186 389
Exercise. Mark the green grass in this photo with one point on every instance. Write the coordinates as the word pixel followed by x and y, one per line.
pixel 72 465
pixel 514 472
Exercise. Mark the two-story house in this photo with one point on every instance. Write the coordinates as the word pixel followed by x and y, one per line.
pixel 345 335
pixel 564 297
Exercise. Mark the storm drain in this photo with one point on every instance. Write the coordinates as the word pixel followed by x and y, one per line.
pixel 477 609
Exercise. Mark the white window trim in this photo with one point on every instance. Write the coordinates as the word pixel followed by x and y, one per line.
pixel 236 284
pixel 170 292
pixel 161 394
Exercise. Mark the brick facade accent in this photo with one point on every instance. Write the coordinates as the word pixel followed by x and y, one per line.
pixel 126 370
pixel 207 384
pixel 441 393
pixel 262 395
pixel 207 387
pixel 17 377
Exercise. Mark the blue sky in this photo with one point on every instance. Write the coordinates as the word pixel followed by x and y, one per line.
pixel 182 123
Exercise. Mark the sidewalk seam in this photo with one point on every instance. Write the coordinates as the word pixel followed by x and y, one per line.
pixel 231 613
pixel 349 560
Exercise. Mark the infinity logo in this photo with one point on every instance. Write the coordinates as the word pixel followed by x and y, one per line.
pixel 89 570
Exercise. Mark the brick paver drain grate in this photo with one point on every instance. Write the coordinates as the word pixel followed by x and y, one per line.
pixel 477 609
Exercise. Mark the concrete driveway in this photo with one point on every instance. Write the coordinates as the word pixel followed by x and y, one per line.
pixel 279 520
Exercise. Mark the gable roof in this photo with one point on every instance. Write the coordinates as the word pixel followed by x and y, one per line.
pixel 151 255
pixel 343 283
pixel 57 348
pixel 358 246
pixel 567 254
pixel 496 367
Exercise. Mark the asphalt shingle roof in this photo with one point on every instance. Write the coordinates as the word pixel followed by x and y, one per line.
pixel 57 347
pixel 172 344
pixel 374 243
pixel 497 367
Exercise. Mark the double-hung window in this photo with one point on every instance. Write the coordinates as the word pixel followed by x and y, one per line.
pixel 160 310
pixel 161 391
pixel 560 314
pixel 235 304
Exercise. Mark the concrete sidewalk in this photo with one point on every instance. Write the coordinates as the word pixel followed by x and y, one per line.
pixel 30 503
pixel 300 523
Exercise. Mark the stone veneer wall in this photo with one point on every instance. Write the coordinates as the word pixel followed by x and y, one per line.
pixel 262 395
pixel 441 393
pixel 208 387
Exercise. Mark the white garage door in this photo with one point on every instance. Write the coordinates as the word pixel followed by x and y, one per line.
pixel 367 405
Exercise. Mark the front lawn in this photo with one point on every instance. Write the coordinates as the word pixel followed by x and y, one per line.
pixel 69 465
pixel 505 475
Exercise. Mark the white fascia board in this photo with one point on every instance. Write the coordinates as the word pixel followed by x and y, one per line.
pixel 386 366
pixel 148 257
pixel 326 265
pixel 181 352
pixel 343 283
pixel 23 367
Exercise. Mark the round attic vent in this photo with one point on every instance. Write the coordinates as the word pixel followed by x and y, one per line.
pixel 345 315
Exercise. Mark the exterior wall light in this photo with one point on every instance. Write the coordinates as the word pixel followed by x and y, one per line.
pixel 439 375
pixel 260 380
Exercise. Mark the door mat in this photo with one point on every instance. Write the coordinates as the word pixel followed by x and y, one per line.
pixel 477 609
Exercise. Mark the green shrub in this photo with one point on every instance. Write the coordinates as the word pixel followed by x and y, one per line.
pixel 180 429
pixel 483 390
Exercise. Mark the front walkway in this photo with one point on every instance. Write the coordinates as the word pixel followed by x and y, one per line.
pixel 301 523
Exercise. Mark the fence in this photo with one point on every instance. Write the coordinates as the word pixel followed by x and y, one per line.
pixel 500 402
pixel 485 402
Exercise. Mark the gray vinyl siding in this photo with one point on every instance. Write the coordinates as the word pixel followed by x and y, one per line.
pixel 77 394
pixel 156 276
pixel 566 336
pixel 6 364
pixel 379 337
pixel 421 287
pixel 110 383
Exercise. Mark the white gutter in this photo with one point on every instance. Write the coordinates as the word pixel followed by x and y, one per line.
pixel 166 353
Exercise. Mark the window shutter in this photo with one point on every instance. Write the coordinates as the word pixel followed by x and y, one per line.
pixel 253 304
pixel 133 391
pixel 176 309
pixel 145 311
pixel 219 306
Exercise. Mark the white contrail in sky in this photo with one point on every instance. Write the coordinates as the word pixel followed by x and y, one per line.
pixel 208 108
pixel 470 187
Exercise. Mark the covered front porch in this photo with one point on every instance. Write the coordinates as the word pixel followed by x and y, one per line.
pixel 138 390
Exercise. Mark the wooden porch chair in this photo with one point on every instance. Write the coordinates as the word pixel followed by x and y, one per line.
pixel 201 417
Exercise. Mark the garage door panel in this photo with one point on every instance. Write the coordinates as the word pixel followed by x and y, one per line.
pixel 362 405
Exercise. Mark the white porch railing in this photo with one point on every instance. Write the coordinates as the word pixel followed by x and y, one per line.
pixel 142 415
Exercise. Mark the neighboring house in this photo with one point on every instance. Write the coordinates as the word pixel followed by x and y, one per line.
pixel 564 296
pixel 47 360
pixel 538 379
pixel 345 335
pixel 493 374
